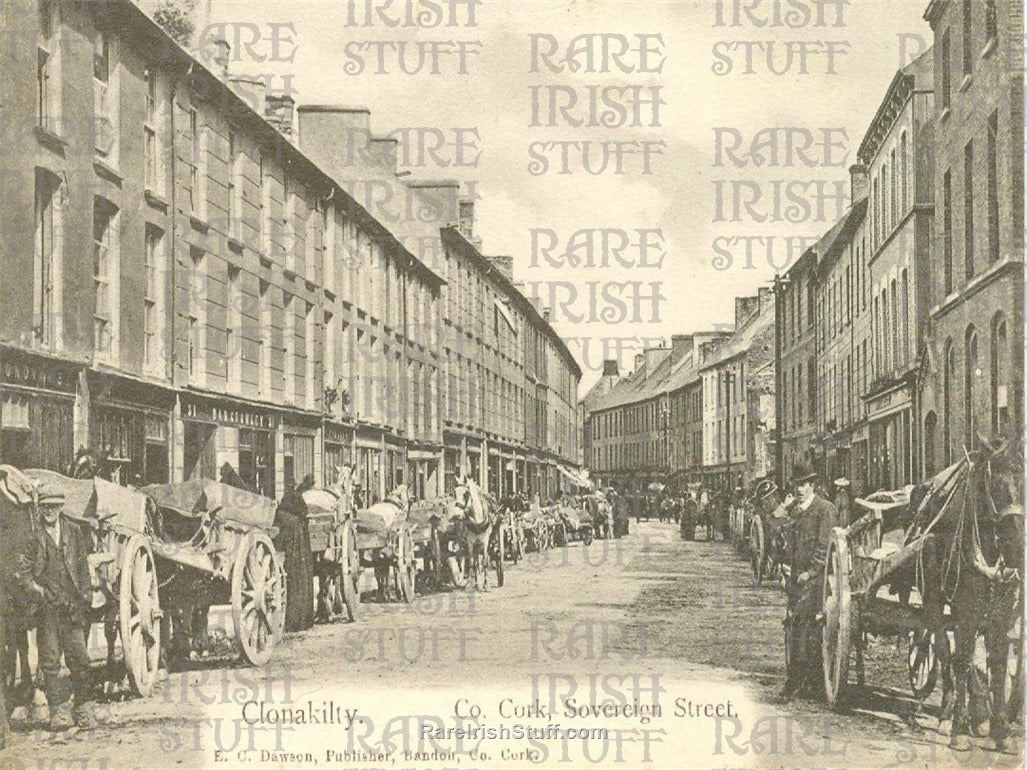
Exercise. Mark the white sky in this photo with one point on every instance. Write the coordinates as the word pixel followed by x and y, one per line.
pixel 679 196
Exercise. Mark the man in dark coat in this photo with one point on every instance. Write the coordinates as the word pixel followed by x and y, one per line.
pixel 813 517
pixel 53 571
pixel 689 513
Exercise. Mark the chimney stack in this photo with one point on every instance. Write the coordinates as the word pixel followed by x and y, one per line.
pixel 221 51
pixel 386 151
pixel 504 265
pixel 545 314
pixel 745 309
pixel 279 110
pixel 336 137
pixel 467 217
pixel 610 368
pixel 251 89
pixel 639 360
pixel 439 198
pixel 859 182
pixel 680 346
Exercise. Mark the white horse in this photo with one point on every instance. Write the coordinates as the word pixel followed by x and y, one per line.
pixel 476 530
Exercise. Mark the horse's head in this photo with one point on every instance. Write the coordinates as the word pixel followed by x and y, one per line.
pixel 400 496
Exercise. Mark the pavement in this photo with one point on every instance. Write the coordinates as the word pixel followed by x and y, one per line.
pixel 664 644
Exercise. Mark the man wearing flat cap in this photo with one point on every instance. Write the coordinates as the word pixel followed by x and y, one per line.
pixel 813 517
pixel 54 572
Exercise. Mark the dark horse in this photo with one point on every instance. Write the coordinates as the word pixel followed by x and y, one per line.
pixel 973 561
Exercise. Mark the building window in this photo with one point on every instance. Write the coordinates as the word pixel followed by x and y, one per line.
pixel 990 19
pixel 105 135
pixel 946 70
pixel 904 174
pixel 893 193
pixel 946 229
pixel 968 210
pixel 310 338
pixel 48 52
pixel 993 232
pixel 233 188
pixel 970 374
pixel 153 298
pixel 195 198
pixel 289 350
pixel 47 260
pixel 811 387
pixel 196 288
pixel 894 319
pixel 150 139
pixel 904 308
pixel 263 341
pixel 999 375
pixel 968 54
pixel 885 205
pixel 233 335
pixel 948 381
pixel 105 274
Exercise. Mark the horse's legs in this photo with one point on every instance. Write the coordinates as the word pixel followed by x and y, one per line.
pixel 381 576
pixel 998 651
pixel 962 659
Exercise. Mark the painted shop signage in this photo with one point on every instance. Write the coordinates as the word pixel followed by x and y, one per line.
pixel 225 415
pixel 37 375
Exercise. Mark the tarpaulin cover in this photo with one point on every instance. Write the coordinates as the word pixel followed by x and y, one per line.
pixel 195 498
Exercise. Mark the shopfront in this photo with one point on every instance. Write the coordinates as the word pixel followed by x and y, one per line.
pixel 130 421
pixel 299 456
pixel 216 435
pixel 890 433
pixel 338 450
pixel 37 411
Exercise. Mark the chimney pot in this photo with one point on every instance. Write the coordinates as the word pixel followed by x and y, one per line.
pixel 859 182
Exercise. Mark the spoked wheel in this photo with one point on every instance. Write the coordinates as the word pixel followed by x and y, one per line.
pixel 837 604
pixel 922 662
pixel 757 550
pixel 405 567
pixel 258 598
pixel 351 571
pixel 500 546
pixel 139 614
pixel 1014 672
pixel 435 552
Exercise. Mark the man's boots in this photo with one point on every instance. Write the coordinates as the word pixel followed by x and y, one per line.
pixel 83 715
pixel 60 717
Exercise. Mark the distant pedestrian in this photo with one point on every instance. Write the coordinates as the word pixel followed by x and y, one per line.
pixel 843 501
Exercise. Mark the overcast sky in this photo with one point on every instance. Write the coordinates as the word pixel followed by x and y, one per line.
pixel 874 38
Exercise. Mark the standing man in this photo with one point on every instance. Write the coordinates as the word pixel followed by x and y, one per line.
pixel 54 571
pixel 813 517
pixel 843 501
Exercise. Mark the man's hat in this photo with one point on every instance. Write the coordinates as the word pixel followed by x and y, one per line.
pixel 765 488
pixel 842 482
pixel 803 473
pixel 49 494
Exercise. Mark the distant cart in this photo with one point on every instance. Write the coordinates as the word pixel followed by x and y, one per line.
pixel 333 544
pixel 217 539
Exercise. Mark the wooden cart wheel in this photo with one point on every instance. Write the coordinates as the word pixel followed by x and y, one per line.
pixel 500 577
pixel 139 615
pixel 837 604
pixel 587 535
pixel 922 662
pixel 258 598
pixel 405 567
pixel 351 571
pixel 1014 672
pixel 757 550
pixel 435 550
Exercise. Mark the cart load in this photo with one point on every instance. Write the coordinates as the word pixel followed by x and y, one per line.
pixel 216 547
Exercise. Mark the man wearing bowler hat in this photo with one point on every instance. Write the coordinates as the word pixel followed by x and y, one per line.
pixel 53 570
pixel 813 517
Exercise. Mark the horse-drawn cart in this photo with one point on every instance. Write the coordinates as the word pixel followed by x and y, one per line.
pixel 333 544
pixel 213 545
pixel 122 524
pixel 385 540
pixel 946 558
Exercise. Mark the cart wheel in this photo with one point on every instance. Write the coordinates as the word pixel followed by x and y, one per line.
pixel 757 550
pixel 837 604
pixel 922 662
pixel 405 567
pixel 351 571
pixel 435 548
pixel 139 615
pixel 1014 672
pixel 258 598
pixel 500 578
